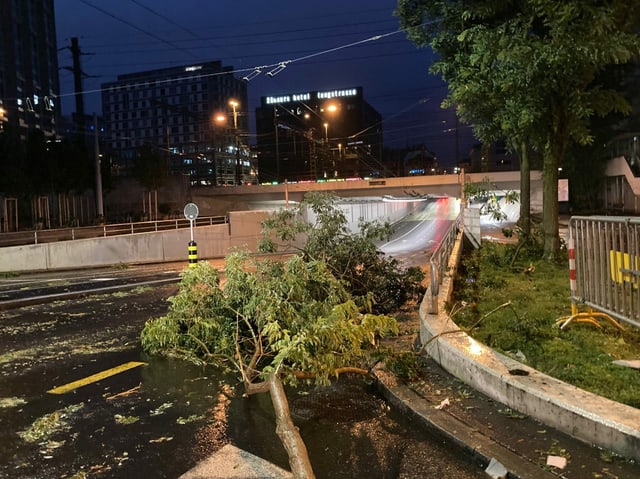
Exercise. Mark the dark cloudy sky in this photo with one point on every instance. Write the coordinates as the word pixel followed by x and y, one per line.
pixel 328 44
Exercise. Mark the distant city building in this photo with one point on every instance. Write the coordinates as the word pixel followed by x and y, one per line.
pixel 28 67
pixel 186 113
pixel 491 157
pixel 418 161
pixel 311 135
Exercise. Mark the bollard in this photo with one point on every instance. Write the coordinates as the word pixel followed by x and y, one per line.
pixel 193 254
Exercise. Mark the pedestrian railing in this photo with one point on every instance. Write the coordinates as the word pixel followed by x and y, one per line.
pixel 604 268
pixel 67 234
pixel 439 263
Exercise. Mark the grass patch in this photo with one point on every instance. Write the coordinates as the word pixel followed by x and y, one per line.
pixel 528 296
pixel 129 292
pixel 9 274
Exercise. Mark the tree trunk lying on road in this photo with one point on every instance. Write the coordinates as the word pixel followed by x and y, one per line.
pixel 285 428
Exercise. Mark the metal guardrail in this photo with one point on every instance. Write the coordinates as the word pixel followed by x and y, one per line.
pixel 439 263
pixel 69 234
pixel 604 256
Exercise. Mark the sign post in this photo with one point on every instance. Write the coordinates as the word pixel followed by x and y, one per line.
pixel 191 213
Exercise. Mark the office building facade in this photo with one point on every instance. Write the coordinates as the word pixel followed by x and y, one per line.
pixel 184 112
pixel 317 135
pixel 29 81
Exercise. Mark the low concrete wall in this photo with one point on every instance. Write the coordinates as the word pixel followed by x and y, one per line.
pixel 588 417
pixel 243 231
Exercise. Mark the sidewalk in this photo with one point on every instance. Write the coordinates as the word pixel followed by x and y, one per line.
pixel 487 429
pixel 233 463
pixel 554 406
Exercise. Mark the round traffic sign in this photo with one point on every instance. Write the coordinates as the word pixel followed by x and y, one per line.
pixel 191 211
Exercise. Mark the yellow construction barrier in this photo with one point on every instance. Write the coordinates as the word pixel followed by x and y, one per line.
pixel 620 268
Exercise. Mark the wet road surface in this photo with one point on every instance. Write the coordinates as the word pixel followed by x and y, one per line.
pixel 159 419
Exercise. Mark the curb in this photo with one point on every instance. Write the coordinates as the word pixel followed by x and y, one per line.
pixel 30 301
pixel 469 439
pixel 585 416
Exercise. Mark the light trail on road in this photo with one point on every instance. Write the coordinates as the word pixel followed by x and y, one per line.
pixel 423 229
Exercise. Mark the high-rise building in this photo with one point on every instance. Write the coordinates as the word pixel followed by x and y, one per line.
pixel 193 114
pixel 315 135
pixel 28 67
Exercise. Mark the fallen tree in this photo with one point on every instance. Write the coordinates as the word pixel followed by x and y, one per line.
pixel 276 323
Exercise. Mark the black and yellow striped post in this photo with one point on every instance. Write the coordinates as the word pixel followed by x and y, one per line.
pixel 191 213
pixel 193 253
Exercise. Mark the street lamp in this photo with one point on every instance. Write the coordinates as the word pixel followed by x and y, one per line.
pixel 219 119
pixel 330 110
pixel 276 136
pixel 234 104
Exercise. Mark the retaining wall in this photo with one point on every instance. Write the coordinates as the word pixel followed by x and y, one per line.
pixel 243 230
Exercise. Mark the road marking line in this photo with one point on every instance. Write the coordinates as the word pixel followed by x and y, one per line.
pixel 95 377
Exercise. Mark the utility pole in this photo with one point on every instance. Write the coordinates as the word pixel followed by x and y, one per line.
pixel 77 82
pixel 275 128
pixel 96 145
pixel 79 121
pixel 78 75
pixel 234 104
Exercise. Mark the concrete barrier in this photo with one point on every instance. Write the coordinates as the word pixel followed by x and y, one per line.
pixel 243 230
pixel 216 241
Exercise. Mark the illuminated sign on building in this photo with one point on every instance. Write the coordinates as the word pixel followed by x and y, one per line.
pixel 320 95
pixel 302 97
pixel 325 95
pixel 193 68
pixel 270 100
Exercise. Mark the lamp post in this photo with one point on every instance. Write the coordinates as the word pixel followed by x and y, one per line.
pixel 234 104
pixel 276 136
pixel 327 148
pixel 330 110
pixel 218 118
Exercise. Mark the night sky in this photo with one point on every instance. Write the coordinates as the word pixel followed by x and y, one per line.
pixel 329 44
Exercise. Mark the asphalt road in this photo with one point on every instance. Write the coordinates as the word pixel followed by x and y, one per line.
pixel 422 230
pixel 158 417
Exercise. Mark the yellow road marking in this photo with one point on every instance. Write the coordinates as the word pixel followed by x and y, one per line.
pixel 95 377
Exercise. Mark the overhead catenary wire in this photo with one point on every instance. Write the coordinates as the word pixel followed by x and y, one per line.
pixel 132 25
pixel 270 66
pixel 165 18
pixel 278 66
pixel 111 48
pixel 257 70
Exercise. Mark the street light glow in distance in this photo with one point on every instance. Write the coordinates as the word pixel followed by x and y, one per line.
pixel 234 104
